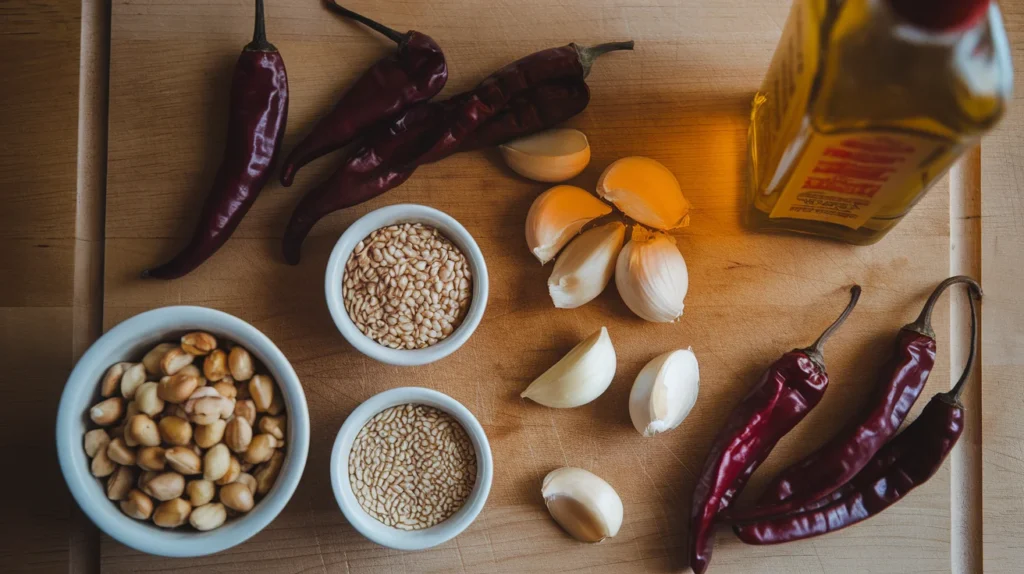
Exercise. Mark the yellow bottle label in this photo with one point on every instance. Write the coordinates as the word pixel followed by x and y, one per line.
pixel 848 178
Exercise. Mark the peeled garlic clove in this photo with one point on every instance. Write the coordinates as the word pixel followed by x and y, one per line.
pixel 646 191
pixel 651 276
pixel 556 216
pixel 580 377
pixel 553 155
pixel 586 266
pixel 664 392
pixel 582 503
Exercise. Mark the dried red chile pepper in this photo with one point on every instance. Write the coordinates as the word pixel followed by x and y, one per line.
pixel 839 460
pixel 904 463
pixel 416 72
pixel 787 391
pixel 256 122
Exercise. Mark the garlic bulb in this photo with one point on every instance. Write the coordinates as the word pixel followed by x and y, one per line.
pixel 580 377
pixel 646 191
pixel 557 215
pixel 651 276
pixel 582 503
pixel 552 155
pixel 586 266
pixel 664 392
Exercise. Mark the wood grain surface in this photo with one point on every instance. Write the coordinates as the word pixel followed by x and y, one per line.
pixel 682 97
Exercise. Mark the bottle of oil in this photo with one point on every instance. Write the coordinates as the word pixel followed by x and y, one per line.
pixel 866 104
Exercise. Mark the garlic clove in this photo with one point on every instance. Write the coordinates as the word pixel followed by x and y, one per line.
pixel 646 191
pixel 556 216
pixel 550 156
pixel 651 276
pixel 582 503
pixel 580 377
pixel 586 266
pixel 664 392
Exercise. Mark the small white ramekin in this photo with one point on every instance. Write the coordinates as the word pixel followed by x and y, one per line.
pixel 391 215
pixel 379 532
pixel 128 341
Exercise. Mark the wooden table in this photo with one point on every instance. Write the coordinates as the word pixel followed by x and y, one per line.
pixel 89 204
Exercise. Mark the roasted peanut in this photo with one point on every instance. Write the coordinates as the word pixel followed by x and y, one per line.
pixel 247 410
pixel 133 376
pixel 238 434
pixel 276 406
pixel 274 425
pixel 216 462
pixel 191 369
pixel 119 452
pixel 178 388
pixel 143 430
pixel 226 389
pixel 198 343
pixel 175 431
pixel 183 460
pixel 152 359
pixel 240 364
pixel 145 477
pixel 101 464
pixel 236 496
pixel 172 513
pixel 208 435
pixel 208 516
pixel 173 410
pixel 200 491
pixel 248 480
pixel 266 473
pixel 175 360
pixel 165 486
pixel 206 405
pixel 151 458
pixel 95 441
pixel 120 483
pixel 130 410
pixel 137 505
pixel 261 389
pixel 261 448
pixel 112 379
pixel 234 469
pixel 215 365
pixel 147 399
pixel 107 412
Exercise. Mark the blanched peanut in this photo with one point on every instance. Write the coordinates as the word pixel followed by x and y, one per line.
pixel 200 492
pixel 137 505
pixel 208 435
pixel 247 410
pixel 234 469
pixel 147 399
pixel 165 486
pixel 172 513
pixel 276 406
pixel 226 389
pixel 119 452
pixel 120 483
pixel 261 389
pixel 107 412
pixel 236 496
pixel 95 441
pixel 102 465
pixel 216 462
pixel 152 359
pixel 248 480
pixel 208 516
pixel 112 379
pixel 175 431
pixel 215 366
pixel 238 434
pixel 266 473
pixel 133 376
pixel 178 388
pixel 240 364
pixel 261 448
pixel 273 425
pixel 198 343
pixel 143 430
pixel 175 360
pixel 184 460
pixel 151 458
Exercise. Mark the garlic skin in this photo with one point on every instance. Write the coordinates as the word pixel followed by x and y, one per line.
pixel 586 266
pixel 664 392
pixel 549 156
pixel 582 503
pixel 581 376
pixel 646 191
pixel 651 276
pixel 556 216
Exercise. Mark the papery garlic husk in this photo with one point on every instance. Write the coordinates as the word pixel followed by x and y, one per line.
pixel 664 392
pixel 557 215
pixel 651 276
pixel 586 266
pixel 646 191
pixel 550 156
pixel 580 377
pixel 582 503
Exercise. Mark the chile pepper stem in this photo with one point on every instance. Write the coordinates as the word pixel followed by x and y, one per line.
pixel 259 33
pixel 589 54
pixel 959 386
pixel 815 350
pixel 371 24
pixel 923 324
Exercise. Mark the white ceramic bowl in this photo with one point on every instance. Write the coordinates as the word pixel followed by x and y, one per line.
pixel 129 341
pixel 391 215
pixel 377 531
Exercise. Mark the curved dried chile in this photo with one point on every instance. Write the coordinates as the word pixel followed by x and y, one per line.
pixel 256 123
pixel 903 464
pixel 840 459
pixel 787 391
pixel 416 72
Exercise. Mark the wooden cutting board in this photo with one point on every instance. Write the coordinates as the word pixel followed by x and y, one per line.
pixel 681 97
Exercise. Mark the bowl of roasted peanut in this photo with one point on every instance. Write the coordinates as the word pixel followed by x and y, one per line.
pixel 182 431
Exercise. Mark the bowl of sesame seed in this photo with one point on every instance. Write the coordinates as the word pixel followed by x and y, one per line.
pixel 406 284
pixel 411 468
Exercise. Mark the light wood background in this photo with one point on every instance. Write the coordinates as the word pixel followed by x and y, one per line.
pixel 682 97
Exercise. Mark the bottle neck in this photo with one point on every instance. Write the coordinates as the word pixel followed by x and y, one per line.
pixel 940 15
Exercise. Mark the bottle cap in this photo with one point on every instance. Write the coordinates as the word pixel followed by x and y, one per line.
pixel 940 15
